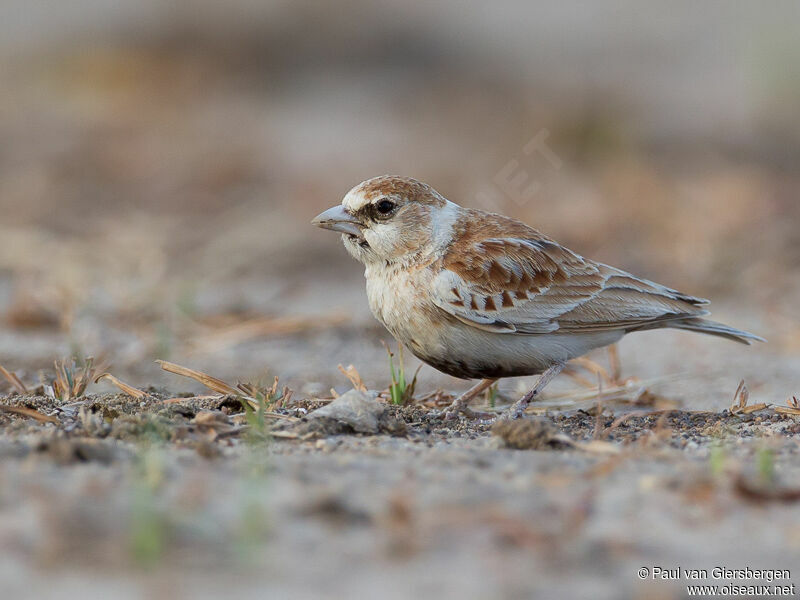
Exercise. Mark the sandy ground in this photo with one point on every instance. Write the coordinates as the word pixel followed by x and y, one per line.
pixel 138 499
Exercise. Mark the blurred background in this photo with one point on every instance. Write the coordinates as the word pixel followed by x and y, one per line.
pixel 161 161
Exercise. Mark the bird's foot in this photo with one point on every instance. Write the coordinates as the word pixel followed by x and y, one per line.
pixel 460 406
pixel 451 413
pixel 517 411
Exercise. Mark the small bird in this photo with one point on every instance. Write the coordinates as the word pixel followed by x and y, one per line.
pixel 479 295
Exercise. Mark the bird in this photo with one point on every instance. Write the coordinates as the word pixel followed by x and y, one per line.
pixel 478 295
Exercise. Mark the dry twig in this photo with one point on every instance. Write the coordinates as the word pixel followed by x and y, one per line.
pixel 13 380
pixel 29 412
pixel 793 408
pixel 253 395
pixel 212 383
pixel 355 378
pixel 740 400
pixel 128 389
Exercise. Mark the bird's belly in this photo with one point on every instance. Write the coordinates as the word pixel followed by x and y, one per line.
pixel 482 354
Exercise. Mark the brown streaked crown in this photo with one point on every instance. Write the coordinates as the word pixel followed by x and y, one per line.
pixel 404 187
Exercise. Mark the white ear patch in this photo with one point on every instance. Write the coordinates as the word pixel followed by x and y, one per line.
pixel 443 222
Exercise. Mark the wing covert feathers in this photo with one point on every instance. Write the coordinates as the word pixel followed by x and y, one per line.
pixel 503 276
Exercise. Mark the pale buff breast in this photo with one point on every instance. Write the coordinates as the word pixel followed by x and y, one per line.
pixel 398 299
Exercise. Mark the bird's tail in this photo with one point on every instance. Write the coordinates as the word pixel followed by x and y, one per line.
pixel 714 328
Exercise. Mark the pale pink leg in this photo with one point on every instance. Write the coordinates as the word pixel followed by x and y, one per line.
pixel 460 404
pixel 516 411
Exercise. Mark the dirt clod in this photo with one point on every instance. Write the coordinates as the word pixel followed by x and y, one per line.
pixel 531 434
pixel 75 450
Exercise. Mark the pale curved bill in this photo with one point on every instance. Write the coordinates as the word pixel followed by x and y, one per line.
pixel 338 219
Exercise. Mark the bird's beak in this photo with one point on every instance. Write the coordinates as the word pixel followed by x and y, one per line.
pixel 338 219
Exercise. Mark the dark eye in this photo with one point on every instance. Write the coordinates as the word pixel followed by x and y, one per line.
pixel 384 207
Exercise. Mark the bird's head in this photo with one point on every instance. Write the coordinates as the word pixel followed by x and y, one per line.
pixel 392 219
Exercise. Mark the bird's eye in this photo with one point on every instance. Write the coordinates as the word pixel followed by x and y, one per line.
pixel 385 207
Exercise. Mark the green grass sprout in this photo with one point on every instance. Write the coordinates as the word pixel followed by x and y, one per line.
pixel 491 395
pixel 765 461
pixel 400 391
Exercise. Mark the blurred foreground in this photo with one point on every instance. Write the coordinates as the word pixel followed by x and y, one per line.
pixel 157 182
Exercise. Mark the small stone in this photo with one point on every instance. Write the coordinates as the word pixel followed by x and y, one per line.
pixel 353 412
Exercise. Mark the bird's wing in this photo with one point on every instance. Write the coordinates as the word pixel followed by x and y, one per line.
pixel 531 284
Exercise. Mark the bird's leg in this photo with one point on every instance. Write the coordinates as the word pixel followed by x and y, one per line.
pixel 460 404
pixel 516 411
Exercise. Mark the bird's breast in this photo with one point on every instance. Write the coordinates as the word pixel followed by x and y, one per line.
pixel 398 298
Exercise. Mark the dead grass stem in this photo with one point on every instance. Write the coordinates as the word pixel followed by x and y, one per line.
pixel 30 413
pixel 13 380
pixel 71 379
pixel 128 389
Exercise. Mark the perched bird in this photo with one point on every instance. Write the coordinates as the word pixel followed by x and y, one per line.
pixel 479 295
